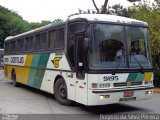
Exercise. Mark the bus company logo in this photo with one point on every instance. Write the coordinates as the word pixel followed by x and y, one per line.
pixel 55 61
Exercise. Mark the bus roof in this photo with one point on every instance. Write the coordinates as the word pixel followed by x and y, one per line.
pixel 89 17
pixel 109 18
pixel 35 30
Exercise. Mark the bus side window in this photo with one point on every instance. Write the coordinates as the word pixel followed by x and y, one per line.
pixel 26 43
pixel 43 41
pixel 13 46
pixel 37 42
pixel 60 39
pixel 30 44
pixel 52 39
pixel 21 44
pixel 18 45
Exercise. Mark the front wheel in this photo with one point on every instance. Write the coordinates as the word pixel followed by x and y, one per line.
pixel 60 90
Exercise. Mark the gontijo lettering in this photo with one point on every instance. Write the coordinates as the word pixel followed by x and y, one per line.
pixel 17 59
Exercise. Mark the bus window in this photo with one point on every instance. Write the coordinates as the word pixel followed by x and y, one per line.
pixel 72 29
pixel 43 41
pixel 18 45
pixel 21 45
pixel 60 39
pixel 13 46
pixel 107 47
pixel 37 42
pixel 52 39
pixel 30 45
pixel 26 43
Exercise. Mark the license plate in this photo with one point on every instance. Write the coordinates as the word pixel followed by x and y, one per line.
pixel 128 94
pixel 127 99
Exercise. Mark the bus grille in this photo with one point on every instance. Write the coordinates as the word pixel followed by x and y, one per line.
pixel 125 84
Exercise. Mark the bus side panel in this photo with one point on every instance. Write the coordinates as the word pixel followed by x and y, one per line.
pixel 22 74
pixel 58 65
pixel 8 71
pixel 49 79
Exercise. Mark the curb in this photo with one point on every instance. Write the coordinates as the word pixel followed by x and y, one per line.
pixel 156 90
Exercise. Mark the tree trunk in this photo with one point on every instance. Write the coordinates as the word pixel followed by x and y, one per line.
pixel 95 6
pixel 104 10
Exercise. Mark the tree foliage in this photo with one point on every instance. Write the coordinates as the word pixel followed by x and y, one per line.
pixel 12 24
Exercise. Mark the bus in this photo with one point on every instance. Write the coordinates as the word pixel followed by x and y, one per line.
pixel 92 59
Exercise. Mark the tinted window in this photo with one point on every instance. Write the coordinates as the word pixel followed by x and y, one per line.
pixel 72 29
pixel 37 41
pixel 43 41
pixel 107 47
pixel 60 39
pixel 31 43
pixel 26 43
pixel 13 46
pixel 52 39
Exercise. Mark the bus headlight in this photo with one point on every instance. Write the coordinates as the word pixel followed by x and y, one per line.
pixel 148 92
pixel 101 97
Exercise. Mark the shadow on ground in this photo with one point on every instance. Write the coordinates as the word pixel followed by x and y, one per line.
pixel 105 109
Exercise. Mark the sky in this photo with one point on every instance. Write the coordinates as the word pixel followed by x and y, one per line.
pixel 38 10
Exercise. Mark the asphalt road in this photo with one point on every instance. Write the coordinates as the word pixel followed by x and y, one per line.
pixel 29 103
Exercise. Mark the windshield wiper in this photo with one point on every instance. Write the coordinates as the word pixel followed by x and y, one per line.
pixel 116 67
pixel 142 69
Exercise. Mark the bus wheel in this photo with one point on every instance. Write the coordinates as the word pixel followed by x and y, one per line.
pixel 60 90
pixel 15 83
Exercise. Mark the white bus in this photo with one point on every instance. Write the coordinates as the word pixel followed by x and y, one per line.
pixel 92 59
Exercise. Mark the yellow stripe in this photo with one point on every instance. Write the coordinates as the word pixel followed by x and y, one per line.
pixel 23 72
pixel 28 61
pixel 148 76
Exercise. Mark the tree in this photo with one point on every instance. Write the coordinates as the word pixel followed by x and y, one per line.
pixel 95 6
pixel 11 24
pixel 104 7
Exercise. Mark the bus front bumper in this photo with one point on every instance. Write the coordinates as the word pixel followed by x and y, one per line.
pixel 116 95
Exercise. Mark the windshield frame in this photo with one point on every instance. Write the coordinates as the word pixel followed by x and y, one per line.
pixel 126 48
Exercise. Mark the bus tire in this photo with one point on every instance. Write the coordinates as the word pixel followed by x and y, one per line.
pixel 15 83
pixel 60 90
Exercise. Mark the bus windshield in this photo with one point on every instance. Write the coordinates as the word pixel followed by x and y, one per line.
pixel 114 45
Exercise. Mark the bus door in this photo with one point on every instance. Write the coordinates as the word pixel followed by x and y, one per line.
pixel 81 77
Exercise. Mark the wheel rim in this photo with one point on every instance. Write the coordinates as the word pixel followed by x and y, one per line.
pixel 63 91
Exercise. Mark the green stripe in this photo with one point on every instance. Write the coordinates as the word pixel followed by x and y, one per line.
pixel 40 73
pixel 140 77
pixel 135 77
pixel 36 75
pixel 132 77
pixel 32 73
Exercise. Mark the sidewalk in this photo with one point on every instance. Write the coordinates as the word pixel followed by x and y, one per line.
pixel 156 90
